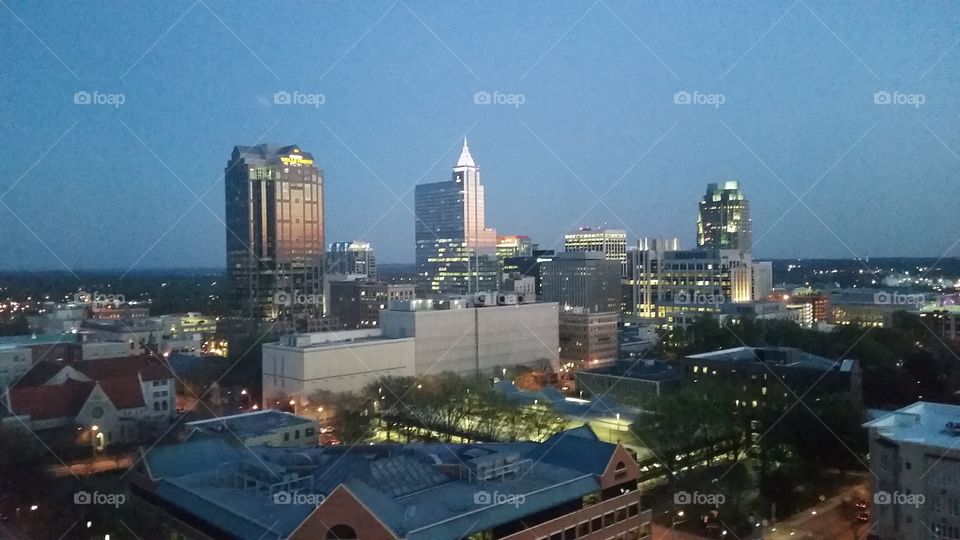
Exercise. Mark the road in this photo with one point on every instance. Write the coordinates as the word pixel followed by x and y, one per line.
pixel 9 531
pixel 832 519
pixel 659 532
pixel 86 467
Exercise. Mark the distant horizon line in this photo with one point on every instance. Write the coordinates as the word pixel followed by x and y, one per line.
pixel 223 269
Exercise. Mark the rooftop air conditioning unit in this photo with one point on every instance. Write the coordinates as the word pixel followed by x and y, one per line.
pixel 506 299
pixel 484 299
pixel 526 298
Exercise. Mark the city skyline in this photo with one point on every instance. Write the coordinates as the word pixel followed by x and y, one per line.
pixel 751 96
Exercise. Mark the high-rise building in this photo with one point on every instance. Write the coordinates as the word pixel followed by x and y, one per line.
pixel 588 339
pixel 356 303
pixel 455 250
pixel 513 246
pixel 528 266
pixel 675 286
pixel 585 280
pixel 762 279
pixel 275 242
pixel 352 258
pixel 611 242
pixel 723 221
pixel 640 287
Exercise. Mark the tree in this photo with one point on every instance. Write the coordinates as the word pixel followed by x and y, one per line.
pixel 699 415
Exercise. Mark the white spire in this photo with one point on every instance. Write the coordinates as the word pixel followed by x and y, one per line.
pixel 466 160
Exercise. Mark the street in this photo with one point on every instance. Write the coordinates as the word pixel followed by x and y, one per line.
pixel 832 519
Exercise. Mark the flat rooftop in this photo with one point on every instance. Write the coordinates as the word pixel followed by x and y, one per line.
pixel 778 356
pixel 13 342
pixel 649 370
pixel 251 424
pixel 923 423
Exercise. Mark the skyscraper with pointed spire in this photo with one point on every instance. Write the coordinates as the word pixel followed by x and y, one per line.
pixel 455 250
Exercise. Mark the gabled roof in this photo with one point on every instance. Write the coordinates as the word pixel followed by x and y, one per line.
pixel 39 374
pixel 149 368
pixel 125 393
pixel 54 401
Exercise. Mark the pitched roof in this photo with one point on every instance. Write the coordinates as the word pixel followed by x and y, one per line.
pixel 125 393
pixel 54 401
pixel 149 368
pixel 40 373
pixel 574 451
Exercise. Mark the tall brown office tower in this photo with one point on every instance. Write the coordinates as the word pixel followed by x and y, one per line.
pixel 275 237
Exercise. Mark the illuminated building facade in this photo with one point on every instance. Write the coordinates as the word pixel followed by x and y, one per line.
pixel 611 242
pixel 352 258
pixel 275 235
pixel 513 246
pixel 455 251
pixel 723 221
pixel 676 286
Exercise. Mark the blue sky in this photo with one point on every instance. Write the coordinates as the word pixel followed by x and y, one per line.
pixel 108 185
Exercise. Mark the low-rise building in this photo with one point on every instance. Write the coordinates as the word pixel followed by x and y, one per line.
pixel 763 370
pixel 300 364
pixel 268 427
pixel 476 334
pixel 630 383
pixel 570 486
pixel 469 335
pixel 94 402
pixel 915 472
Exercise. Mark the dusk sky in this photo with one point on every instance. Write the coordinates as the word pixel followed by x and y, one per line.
pixel 588 132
